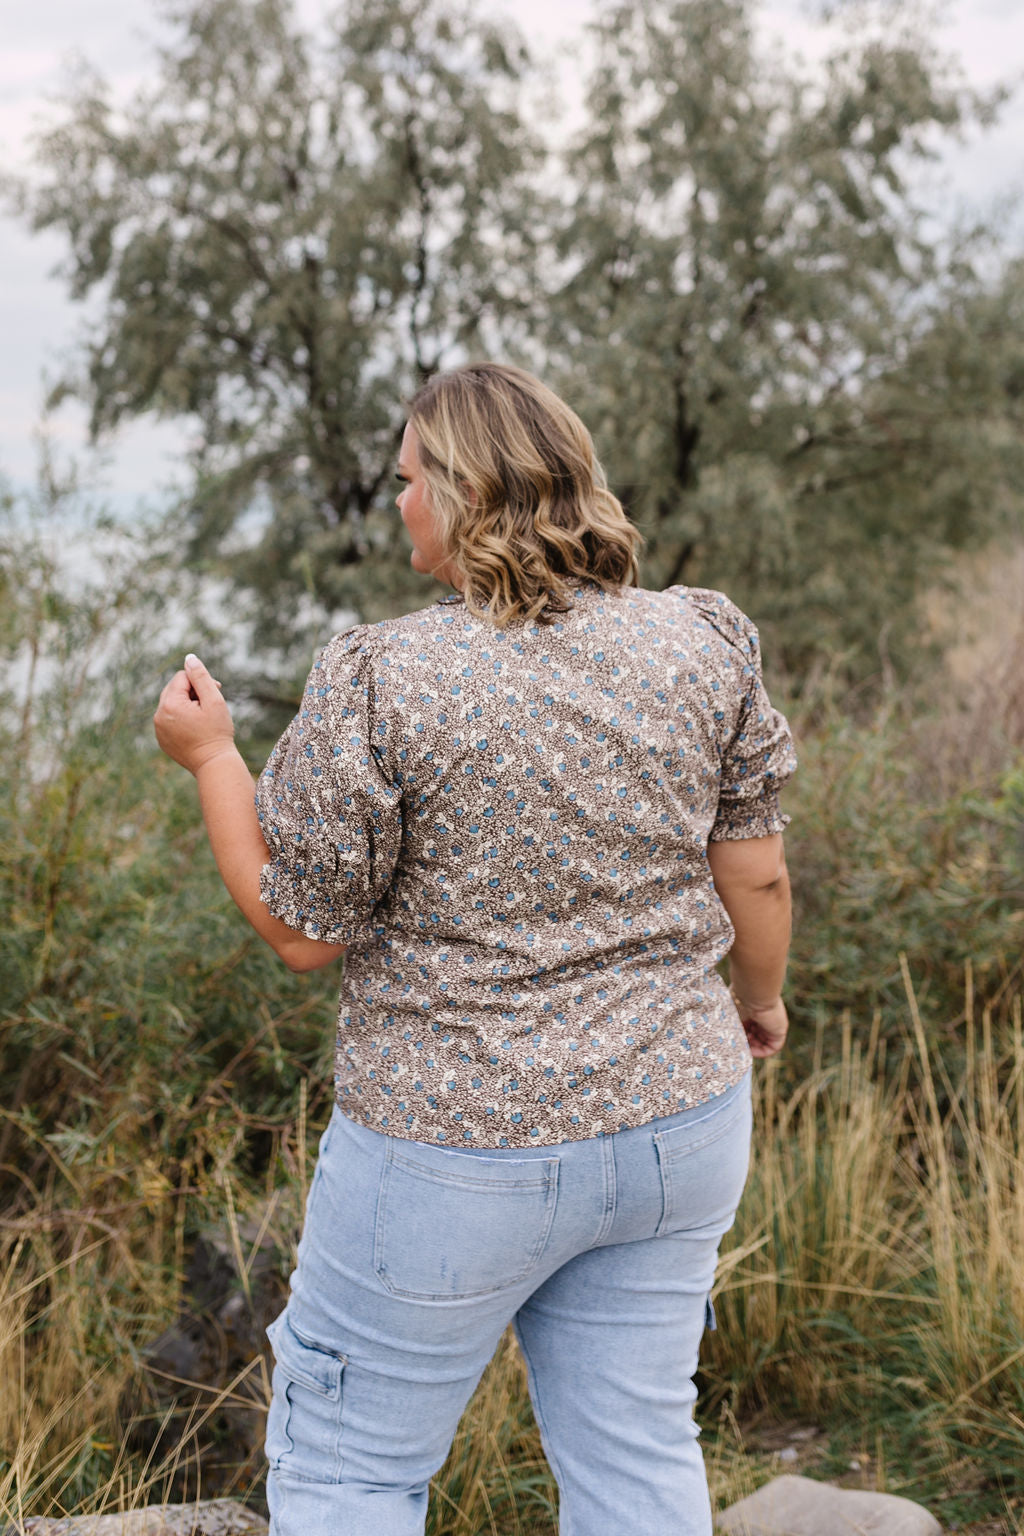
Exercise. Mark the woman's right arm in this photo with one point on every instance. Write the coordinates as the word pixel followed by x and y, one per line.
pixel 193 726
pixel 753 884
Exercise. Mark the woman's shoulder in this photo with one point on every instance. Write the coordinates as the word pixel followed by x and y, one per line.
pixel 386 636
pixel 709 606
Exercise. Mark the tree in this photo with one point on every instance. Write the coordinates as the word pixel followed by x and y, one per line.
pixel 288 235
pixel 730 277
pixel 751 309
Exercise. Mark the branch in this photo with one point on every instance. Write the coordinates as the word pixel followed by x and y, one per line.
pixel 680 563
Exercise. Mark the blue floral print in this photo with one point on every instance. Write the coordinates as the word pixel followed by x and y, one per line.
pixel 509 830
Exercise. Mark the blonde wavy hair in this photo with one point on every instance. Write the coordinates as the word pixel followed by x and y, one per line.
pixel 523 507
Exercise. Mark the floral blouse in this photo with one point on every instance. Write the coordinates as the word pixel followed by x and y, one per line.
pixel 509 829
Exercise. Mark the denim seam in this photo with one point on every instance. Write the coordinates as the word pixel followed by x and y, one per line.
pixel 550 1187
pixel 608 1171
pixel 723 1120
pixel 438 1176
pixel 538 1413
pixel 669 1161
pixel 296 1376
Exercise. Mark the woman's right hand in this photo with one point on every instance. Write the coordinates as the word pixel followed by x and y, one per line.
pixel 766 1027
pixel 192 722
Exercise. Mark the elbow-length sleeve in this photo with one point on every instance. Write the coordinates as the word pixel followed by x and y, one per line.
pixel 330 813
pixel 758 757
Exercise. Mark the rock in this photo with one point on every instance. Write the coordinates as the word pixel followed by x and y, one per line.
pixel 800 1506
pixel 207 1517
pixel 196 1405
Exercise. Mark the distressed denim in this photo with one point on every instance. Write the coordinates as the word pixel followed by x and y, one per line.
pixel 414 1260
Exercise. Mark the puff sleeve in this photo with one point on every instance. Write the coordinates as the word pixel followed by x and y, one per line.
pixel 758 756
pixel 330 813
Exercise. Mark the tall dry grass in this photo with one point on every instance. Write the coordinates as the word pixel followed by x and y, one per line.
pixel 158 1071
pixel 876 1272
pixel 874 1280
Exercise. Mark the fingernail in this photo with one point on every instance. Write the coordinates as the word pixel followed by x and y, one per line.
pixel 191 660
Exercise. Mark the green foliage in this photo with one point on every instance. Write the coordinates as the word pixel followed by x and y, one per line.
pixel 785 372
pixel 872 1283
pixel 289 233
pixel 802 398
pixel 803 394
pixel 888 859
pixel 117 936
pixel 161 1072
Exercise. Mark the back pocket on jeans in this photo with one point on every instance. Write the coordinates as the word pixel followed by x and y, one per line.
pixel 453 1225
pixel 703 1166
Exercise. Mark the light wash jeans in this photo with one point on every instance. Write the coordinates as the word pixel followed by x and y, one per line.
pixel 415 1258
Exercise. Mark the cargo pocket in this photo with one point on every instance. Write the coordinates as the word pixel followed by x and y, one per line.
pixel 304 1422
pixel 451 1225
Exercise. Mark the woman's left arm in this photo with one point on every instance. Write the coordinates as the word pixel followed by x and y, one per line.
pixel 198 733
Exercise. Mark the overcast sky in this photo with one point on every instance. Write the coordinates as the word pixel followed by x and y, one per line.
pixel 38 324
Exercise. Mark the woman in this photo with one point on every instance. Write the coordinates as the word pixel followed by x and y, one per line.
pixel 534 816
